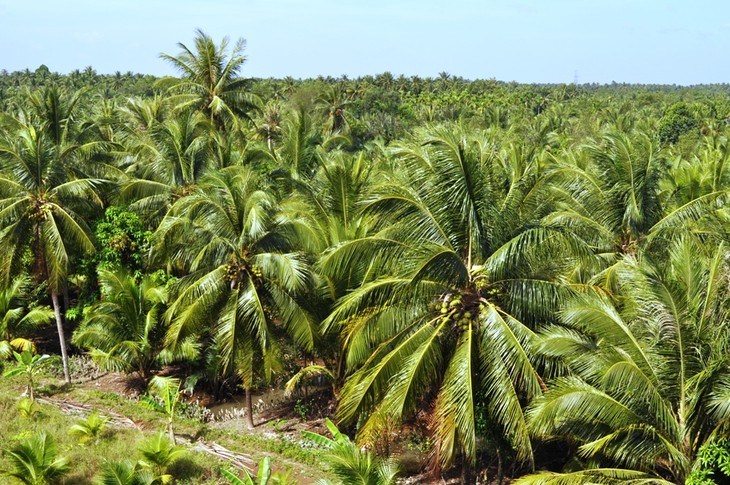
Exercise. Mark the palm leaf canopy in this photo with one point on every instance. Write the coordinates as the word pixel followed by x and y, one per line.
pixel 245 276
pixel 457 280
pixel 648 368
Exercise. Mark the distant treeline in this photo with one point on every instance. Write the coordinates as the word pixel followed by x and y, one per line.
pixel 393 105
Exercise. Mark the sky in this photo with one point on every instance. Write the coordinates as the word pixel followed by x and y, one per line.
pixel 535 41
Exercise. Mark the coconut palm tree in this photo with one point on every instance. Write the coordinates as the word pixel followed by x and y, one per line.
pixel 245 279
pixel 43 199
pixel 333 101
pixel 127 473
pixel 297 157
pixel 158 453
pixel 31 365
pixel 349 463
pixel 164 396
pixel 614 199
pixel 170 157
pixel 457 275
pixel 210 81
pixel 263 477
pixel 89 429
pixel 35 461
pixel 649 371
pixel 269 126
pixel 336 192
pixel 124 331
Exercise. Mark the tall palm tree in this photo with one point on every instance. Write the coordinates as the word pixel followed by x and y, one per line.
pixel 210 80
pixel 43 200
pixel 336 192
pixel 457 276
pixel 170 157
pixel 245 279
pixel 649 373
pixel 333 101
pixel 269 126
pixel 297 155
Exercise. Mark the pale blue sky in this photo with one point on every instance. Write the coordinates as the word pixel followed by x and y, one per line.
pixel 643 41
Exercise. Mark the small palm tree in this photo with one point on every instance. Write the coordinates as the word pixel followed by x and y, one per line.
pixel 16 318
pixel 124 330
pixel 89 429
pixel 30 365
pixel 264 476
pixel 27 408
pixel 127 473
pixel 349 463
pixel 164 396
pixel 159 452
pixel 35 461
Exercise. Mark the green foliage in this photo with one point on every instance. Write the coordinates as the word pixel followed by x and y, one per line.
pixel 244 275
pixel 633 398
pixel 264 476
pixel 677 121
pixel 164 396
pixel 89 429
pixel 18 315
pixel 713 464
pixel 302 409
pixel 349 463
pixel 503 260
pixel 36 461
pixel 124 331
pixel 27 408
pixel 126 473
pixel 122 239
pixel 210 80
pixel 159 452
pixel 30 365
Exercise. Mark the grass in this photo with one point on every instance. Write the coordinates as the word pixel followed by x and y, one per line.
pixel 117 443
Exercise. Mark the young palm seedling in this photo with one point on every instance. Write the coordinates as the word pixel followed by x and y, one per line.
pixel 30 365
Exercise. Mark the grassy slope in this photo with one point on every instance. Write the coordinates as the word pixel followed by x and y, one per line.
pixel 119 443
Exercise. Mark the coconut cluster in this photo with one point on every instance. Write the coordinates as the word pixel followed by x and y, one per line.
pixel 41 210
pixel 235 273
pixel 459 310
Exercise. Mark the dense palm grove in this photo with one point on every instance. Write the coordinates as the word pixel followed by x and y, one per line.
pixel 538 275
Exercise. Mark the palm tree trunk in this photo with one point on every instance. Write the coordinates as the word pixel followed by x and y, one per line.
pixel 500 471
pixel 61 336
pixel 66 299
pixel 465 471
pixel 171 431
pixel 249 409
